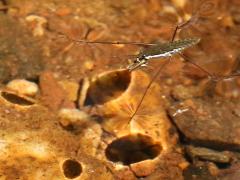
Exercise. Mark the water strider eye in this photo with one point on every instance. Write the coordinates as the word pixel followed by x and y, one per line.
pixel 142 57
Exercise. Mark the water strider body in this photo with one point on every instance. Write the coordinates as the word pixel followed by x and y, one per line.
pixel 153 50
pixel 161 51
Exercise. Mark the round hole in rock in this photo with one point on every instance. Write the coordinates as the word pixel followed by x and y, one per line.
pixel 71 168
pixel 132 149
pixel 108 87
pixel 15 99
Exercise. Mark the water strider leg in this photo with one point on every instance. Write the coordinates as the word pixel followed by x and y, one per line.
pixel 135 66
pixel 81 41
pixel 148 86
pixel 196 65
pixel 181 26
pixel 211 76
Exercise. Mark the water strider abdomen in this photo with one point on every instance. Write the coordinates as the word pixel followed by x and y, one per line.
pixel 167 49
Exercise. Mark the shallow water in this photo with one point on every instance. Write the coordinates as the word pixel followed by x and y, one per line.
pixel 191 118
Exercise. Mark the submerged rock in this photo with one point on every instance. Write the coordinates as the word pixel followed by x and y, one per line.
pixel 208 122
pixel 208 154
pixel 72 117
pixel 23 87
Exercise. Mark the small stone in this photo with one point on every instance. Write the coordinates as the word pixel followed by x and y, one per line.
pixel 144 168
pixel 183 165
pixel 85 84
pixel 38 24
pixel 208 154
pixel 72 116
pixel 89 65
pixel 23 87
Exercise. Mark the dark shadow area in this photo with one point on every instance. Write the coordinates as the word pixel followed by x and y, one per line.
pixel 132 149
pixel 15 99
pixel 108 87
pixel 71 169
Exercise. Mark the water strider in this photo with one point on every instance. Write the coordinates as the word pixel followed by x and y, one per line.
pixel 161 51
pixel 153 51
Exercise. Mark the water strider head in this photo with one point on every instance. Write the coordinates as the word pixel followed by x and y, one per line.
pixel 161 51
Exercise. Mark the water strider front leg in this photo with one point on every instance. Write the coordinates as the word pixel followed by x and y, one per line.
pixel 137 63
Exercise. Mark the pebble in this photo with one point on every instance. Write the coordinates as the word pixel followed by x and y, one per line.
pixel 38 23
pixel 89 65
pixel 208 154
pixel 72 116
pixel 23 87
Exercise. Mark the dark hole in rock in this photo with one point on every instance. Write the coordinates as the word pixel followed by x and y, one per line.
pixel 108 87
pixel 71 169
pixel 223 165
pixel 132 149
pixel 15 99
